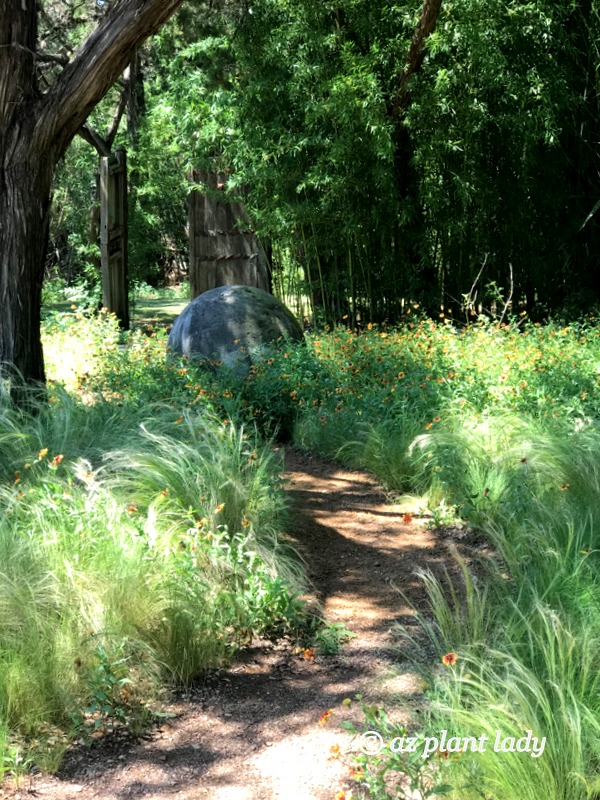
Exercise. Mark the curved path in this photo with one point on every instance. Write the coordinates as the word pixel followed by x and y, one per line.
pixel 252 733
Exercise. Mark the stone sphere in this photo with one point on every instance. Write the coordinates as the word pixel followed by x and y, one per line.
pixel 231 325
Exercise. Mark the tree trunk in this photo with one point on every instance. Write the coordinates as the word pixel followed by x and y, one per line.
pixel 25 179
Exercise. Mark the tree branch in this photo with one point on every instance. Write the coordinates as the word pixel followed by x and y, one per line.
pixel 426 26
pixel 111 131
pixel 95 66
pixel 51 58
pixel 92 137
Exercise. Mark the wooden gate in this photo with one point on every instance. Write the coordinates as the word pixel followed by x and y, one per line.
pixel 223 248
pixel 113 234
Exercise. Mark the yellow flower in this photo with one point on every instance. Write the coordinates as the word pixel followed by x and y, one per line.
pixel 450 659
pixel 334 752
pixel 43 453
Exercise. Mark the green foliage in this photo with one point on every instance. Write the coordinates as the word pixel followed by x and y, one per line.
pixel 407 765
pixel 140 544
pixel 330 636
pixel 114 700
pixel 503 91
pixel 497 425
pixel 72 257
pixel 486 179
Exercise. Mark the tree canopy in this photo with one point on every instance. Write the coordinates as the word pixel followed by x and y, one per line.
pixel 388 151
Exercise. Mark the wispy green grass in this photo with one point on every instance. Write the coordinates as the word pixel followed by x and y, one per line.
pixel 496 425
pixel 140 542
pixel 499 426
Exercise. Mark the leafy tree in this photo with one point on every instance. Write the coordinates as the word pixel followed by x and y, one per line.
pixel 389 151
pixel 503 122
pixel 40 113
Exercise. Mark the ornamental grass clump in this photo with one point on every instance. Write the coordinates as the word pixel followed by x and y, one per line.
pixel 497 427
pixel 140 545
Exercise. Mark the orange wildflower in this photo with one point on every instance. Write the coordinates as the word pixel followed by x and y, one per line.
pixel 325 716
pixel 407 518
pixel 334 752
pixel 450 659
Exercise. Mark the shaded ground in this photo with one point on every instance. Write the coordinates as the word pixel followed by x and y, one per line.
pixel 252 732
pixel 144 311
pixel 157 311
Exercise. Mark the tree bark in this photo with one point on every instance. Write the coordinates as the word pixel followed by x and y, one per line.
pixel 35 131
pixel 25 181
pixel 24 206
pixel 425 27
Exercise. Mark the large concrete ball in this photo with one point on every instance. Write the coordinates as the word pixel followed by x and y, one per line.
pixel 231 325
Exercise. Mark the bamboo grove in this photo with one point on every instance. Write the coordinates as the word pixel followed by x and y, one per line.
pixel 455 171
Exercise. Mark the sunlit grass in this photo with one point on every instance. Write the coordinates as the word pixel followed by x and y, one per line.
pixel 499 426
pixel 140 540
pixel 496 425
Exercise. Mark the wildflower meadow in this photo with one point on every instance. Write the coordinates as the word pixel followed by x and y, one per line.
pixel 143 540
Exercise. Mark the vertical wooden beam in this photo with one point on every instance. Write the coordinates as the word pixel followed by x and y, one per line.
pixel 114 234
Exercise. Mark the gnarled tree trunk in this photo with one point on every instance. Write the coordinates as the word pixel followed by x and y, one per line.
pixel 35 130
pixel 24 204
pixel 25 178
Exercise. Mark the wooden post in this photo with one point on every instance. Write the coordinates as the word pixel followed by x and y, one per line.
pixel 113 234
pixel 223 248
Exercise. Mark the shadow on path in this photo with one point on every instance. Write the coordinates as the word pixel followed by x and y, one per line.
pixel 251 732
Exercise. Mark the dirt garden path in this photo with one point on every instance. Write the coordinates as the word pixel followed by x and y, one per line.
pixel 252 732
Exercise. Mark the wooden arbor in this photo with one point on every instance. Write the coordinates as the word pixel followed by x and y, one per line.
pixel 223 248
